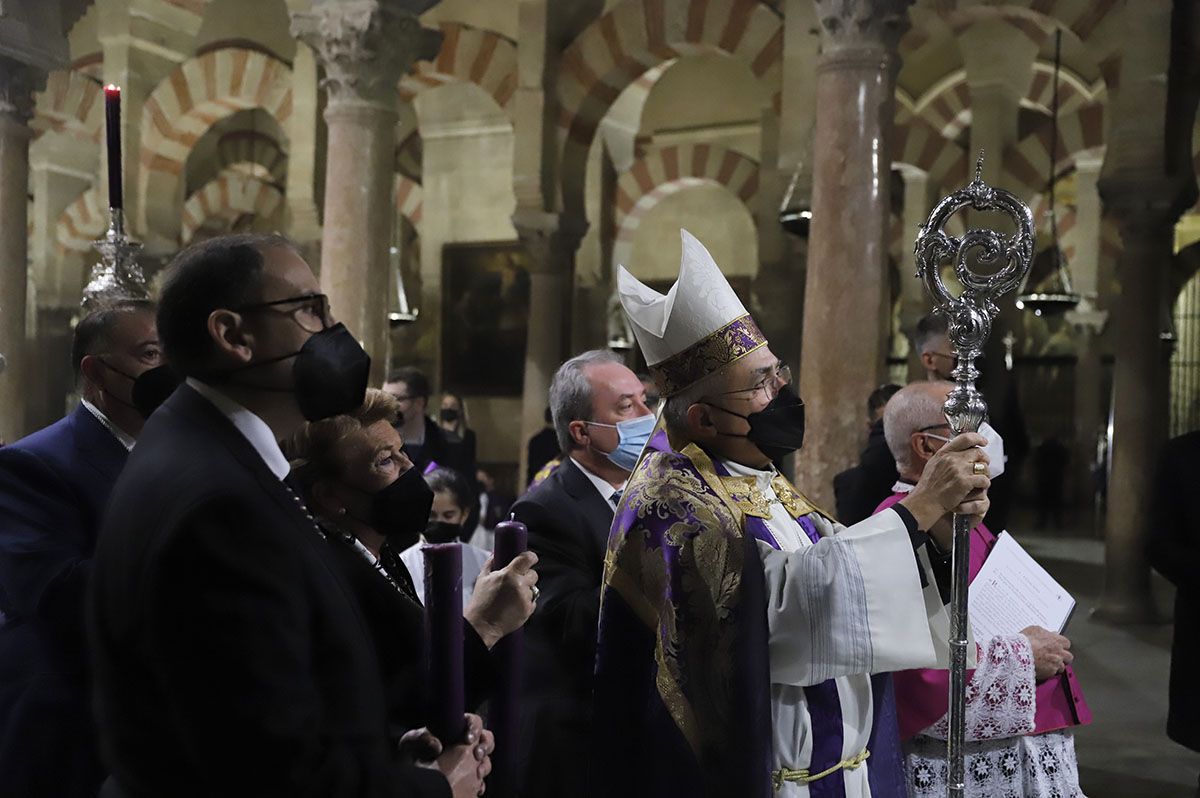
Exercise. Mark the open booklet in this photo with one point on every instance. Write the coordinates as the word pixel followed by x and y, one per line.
pixel 1012 592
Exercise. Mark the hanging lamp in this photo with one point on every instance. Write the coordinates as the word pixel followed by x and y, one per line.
pixel 1054 296
pixel 402 313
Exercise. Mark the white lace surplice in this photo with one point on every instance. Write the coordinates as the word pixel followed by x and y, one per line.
pixel 1003 758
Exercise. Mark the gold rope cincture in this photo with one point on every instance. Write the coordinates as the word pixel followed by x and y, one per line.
pixel 802 776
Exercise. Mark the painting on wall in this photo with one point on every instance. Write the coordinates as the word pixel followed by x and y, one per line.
pixel 485 317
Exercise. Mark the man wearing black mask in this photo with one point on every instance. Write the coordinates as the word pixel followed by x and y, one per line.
pixel 230 658
pixel 53 488
pixel 741 629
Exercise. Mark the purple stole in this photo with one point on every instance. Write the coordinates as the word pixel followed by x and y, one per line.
pixel 885 768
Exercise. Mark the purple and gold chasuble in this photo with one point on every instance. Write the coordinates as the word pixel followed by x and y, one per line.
pixel 687 702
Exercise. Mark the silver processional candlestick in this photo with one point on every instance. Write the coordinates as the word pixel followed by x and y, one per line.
pixel 969 317
pixel 117 276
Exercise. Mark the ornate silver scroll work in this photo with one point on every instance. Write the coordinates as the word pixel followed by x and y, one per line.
pixel 1007 259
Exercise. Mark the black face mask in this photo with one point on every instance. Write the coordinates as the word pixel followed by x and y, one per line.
pixel 448 414
pixel 778 429
pixel 443 532
pixel 153 387
pixel 329 377
pixel 400 511
pixel 150 388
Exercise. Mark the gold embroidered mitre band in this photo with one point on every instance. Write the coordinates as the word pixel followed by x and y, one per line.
pixel 735 340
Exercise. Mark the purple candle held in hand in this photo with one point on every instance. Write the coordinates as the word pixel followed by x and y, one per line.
pixel 112 119
pixel 444 622
pixel 512 539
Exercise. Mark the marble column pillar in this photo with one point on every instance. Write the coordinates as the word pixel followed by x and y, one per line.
pixel 551 240
pixel 1141 379
pixel 365 47
pixel 303 223
pixel 844 335
pixel 1146 199
pixel 1089 322
pixel 17 84
pixel 913 302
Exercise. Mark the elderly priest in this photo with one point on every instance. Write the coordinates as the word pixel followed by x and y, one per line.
pixel 740 625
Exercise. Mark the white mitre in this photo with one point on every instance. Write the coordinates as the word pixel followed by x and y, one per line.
pixel 698 327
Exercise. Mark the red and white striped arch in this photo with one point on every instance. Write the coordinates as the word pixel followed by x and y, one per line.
pixel 916 143
pixel 199 93
pixel 409 200
pixel 469 55
pixel 1026 164
pixel 81 222
pixel 638 35
pixel 663 171
pixel 947 104
pixel 72 104
pixel 230 196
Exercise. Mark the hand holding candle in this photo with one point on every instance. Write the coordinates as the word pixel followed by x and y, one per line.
pixel 112 129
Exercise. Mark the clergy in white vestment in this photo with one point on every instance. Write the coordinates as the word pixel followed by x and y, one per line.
pixel 744 635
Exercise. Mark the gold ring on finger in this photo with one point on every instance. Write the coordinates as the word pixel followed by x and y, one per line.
pixel 980 467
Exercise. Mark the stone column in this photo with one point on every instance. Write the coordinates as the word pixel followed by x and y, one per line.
pixel 913 302
pixel 1146 199
pixel 303 224
pixel 845 335
pixel 551 240
pixel 1089 322
pixel 1141 387
pixel 364 46
pixel 17 84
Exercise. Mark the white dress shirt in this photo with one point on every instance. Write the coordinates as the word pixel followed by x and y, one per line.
pixel 123 437
pixel 253 428
pixel 607 491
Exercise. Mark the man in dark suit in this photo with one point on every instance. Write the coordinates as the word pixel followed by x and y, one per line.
pixel 425 442
pixel 859 490
pixel 569 515
pixel 1174 550
pixel 231 658
pixel 54 485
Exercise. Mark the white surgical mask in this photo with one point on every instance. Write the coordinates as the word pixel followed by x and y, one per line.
pixel 993 448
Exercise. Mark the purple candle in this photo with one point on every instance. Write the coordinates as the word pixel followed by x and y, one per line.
pixel 444 622
pixel 512 538
pixel 112 118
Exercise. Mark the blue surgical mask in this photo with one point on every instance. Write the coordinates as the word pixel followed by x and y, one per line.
pixel 633 435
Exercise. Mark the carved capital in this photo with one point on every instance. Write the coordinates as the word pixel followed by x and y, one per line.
pixel 550 238
pixel 365 46
pixel 848 25
pixel 18 82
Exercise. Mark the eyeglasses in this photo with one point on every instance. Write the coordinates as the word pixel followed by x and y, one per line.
pixel 779 376
pixel 311 312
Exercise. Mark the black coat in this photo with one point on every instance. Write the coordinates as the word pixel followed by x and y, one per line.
pixel 1174 550
pixel 568 524
pixel 396 619
pixel 54 485
pixel 859 490
pixel 230 656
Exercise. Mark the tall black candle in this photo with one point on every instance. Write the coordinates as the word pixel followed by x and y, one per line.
pixel 112 118
pixel 504 719
pixel 444 622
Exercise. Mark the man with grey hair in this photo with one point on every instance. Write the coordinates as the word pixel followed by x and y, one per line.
pixel 602 422
pixel 1031 738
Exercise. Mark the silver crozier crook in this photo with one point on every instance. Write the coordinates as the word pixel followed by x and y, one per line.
pixel 969 318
